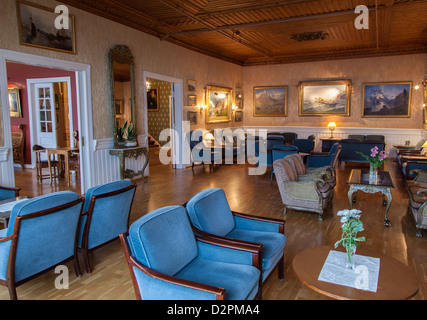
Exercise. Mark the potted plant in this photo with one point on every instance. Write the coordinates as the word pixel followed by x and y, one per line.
pixel 121 134
pixel 131 135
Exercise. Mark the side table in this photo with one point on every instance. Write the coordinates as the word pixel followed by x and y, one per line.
pixel 134 152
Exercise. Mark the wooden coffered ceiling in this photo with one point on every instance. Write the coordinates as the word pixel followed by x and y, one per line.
pixel 254 32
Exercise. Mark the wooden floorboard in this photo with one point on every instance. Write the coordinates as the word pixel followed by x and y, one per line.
pixel 257 195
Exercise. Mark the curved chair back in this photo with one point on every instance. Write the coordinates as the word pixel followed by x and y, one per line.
pixel 105 215
pixel 356 137
pixel 43 234
pixel 375 137
pixel 281 151
pixel 296 163
pixel 209 211
pixel 304 145
pixel 163 240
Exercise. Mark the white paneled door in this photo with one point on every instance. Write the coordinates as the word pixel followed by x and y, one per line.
pixel 45 115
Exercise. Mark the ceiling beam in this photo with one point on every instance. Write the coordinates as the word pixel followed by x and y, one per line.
pixel 233 36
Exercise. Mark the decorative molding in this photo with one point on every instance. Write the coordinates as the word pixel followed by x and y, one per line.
pixel 4 152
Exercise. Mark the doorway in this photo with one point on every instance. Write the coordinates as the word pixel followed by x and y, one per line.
pixel 82 114
pixel 174 103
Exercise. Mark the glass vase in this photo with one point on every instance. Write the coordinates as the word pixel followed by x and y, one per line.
pixel 351 251
pixel 373 173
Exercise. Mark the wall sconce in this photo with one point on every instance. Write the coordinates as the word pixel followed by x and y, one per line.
pixel 201 107
pixel 332 126
pixel 147 86
pixel 233 108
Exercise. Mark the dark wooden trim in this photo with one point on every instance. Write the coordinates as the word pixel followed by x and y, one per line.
pixel 10 273
pixel 85 237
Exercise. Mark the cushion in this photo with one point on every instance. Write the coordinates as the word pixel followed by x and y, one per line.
pixel 163 240
pixel 209 211
pixel 273 244
pixel 239 281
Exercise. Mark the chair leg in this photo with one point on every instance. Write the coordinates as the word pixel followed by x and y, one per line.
pixel 77 266
pixel 12 290
pixel 280 269
pixel 85 253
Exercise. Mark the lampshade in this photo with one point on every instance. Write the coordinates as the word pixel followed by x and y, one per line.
pixel 332 125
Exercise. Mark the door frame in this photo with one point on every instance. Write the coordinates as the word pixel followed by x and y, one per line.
pixel 32 109
pixel 84 114
pixel 176 114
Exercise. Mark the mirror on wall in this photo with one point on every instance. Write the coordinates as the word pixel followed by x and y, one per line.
pixel 122 88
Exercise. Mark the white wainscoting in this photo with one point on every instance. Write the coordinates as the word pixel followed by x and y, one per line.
pixel 392 136
pixel 107 167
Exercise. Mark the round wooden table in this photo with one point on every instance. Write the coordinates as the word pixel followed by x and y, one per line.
pixel 396 281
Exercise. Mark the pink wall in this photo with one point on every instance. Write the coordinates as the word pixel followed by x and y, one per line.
pixel 17 75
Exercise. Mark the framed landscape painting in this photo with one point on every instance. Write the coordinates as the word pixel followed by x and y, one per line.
pixel 218 101
pixel 15 103
pixel 37 28
pixel 387 100
pixel 270 101
pixel 324 98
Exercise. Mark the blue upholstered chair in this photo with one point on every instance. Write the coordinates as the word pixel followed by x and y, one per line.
pixel 281 151
pixel 167 261
pixel 271 142
pixel 105 215
pixel 323 159
pixel 200 153
pixel 304 145
pixel 41 234
pixel 212 217
pixel 8 193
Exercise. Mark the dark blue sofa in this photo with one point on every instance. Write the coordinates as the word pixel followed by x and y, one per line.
pixel 350 146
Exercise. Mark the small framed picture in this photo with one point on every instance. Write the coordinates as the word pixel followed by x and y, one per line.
pixel 191 85
pixel 15 103
pixel 192 117
pixel 118 104
pixel 238 116
pixel 153 99
pixel 192 100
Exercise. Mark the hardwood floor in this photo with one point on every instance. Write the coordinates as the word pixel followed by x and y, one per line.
pixel 258 195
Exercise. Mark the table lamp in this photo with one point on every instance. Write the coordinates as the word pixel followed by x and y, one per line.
pixel 332 126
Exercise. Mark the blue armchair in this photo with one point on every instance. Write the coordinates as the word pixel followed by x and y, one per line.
pixel 8 193
pixel 41 234
pixel 167 261
pixel 324 159
pixel 304 145
pixel 105 216
pixel 271 142
pixel 211 216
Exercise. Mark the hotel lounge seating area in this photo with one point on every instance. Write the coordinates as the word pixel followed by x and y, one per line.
pixel 197 149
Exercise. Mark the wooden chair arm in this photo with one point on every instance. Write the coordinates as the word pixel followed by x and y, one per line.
pixel 3 239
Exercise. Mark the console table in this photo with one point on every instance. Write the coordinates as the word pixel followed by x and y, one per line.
pixel 134 152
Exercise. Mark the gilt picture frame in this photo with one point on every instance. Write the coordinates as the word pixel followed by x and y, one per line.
pixel 218 102
pixel 324 98
pixel 387 99
pixel 270 101
pixel 37 28
pixel 15 103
